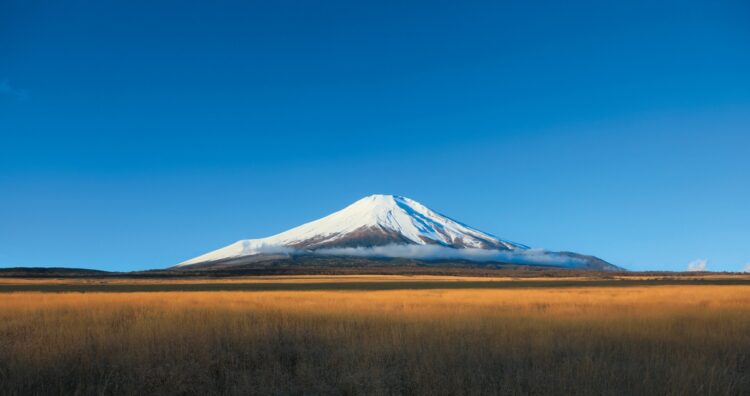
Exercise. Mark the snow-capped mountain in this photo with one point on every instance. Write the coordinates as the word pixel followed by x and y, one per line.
pixel 388 226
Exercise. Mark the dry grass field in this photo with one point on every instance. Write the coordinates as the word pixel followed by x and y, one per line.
pixel 579 339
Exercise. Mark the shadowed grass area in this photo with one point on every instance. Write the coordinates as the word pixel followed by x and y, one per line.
pixel 324 283
pixel 679 340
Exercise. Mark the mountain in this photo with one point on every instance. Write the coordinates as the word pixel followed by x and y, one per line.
pixel 49 272
pixel 389 226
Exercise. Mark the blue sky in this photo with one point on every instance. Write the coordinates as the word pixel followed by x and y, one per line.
pixel 135 135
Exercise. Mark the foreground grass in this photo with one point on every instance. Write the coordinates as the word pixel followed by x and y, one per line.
pixel 672 340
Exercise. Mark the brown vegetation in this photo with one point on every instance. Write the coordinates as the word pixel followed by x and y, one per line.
pixel 676 340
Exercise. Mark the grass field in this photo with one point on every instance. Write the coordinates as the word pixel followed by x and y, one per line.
pixel 353 335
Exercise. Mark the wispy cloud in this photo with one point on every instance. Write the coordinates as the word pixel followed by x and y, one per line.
pixel 747 268
pixel 434 252
pixel 6 89
pixel 539 257
pixel 697 265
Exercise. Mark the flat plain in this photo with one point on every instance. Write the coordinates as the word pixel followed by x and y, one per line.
pixel 376 335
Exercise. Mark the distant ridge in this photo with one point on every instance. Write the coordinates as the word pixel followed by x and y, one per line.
pixel 49 272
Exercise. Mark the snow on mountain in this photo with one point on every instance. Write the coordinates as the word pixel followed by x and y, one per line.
pixel 383 226
pixel 401 218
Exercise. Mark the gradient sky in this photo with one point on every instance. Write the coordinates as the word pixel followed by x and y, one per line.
pixel 135 135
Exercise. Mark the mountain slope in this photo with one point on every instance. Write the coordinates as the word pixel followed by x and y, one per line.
pixel 386 226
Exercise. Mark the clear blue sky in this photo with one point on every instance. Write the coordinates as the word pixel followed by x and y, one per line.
pixel 135 135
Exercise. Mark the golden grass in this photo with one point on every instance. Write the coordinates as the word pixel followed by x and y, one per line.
pixel 675 340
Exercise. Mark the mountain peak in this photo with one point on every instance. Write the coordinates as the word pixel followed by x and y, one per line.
pixel 377 202
pixel 379 197
pixel 404 220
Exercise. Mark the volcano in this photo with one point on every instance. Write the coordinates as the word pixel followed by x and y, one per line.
pixel 391 226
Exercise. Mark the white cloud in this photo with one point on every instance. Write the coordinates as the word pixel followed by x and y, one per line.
pixel 697 265
pixel 747 268
pixel 436 252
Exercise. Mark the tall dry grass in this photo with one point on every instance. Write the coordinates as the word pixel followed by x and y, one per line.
pixel 668 340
